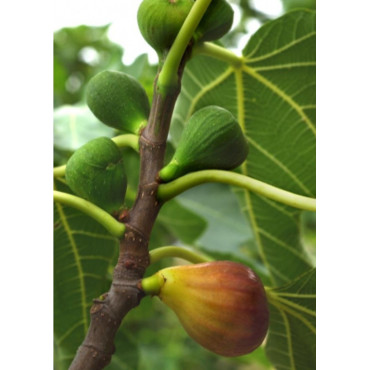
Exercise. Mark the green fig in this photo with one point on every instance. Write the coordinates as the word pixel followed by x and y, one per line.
pixel 96 172
pixel 216 22
pixel 118 100
pixel 212 139
pixel 160 21
pixel 222 305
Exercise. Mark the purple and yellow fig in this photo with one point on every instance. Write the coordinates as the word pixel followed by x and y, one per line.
pixel 222 305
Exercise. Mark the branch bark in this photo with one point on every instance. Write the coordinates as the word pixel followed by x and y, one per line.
pixel 107 313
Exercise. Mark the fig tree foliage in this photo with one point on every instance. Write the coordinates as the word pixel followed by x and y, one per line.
pixel 247 286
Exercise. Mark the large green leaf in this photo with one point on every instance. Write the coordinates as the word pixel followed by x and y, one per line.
pixel 183 223
pixel 291 339
pixel 273 96
pixel 83 253
pixel 299 4
pixel 223 234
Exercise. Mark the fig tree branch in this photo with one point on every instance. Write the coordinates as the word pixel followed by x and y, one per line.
pixel 178 186
pixel 113 226
pixel 124 294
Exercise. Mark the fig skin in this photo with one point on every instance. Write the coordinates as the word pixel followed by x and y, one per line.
pixel 160 21
pixel 118 100
pixel 216 22
pixel 222 305
pixel 212 139
pixel 96 173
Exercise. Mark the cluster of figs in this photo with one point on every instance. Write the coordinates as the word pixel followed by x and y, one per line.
pixel 222 305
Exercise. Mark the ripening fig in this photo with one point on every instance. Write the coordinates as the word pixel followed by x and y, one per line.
pixel 216 22
pixel 222 305
pixel 118 100
pixel 96 172
pixel 160 21
pixel 212 139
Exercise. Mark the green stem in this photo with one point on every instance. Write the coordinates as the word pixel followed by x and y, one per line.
pixel 176 187
pixel 114 227
pixel 168 78
pixel 152 284
pixel 188 254
pixel 218 52
pixel 125 140
pixel 59 171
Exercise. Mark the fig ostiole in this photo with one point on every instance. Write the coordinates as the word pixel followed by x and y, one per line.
pixel 96 173
pixel 222 305
pixel 160 21
pixel 212 139
pixel 216 22
pixel 118 100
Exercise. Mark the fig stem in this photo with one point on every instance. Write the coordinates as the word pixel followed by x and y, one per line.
pixel 113 226
pixel 125 140
pixel 168 77
pixel 218 52
pixel 178 186
pixel 186 253
pixel 152 284
pixel 169 172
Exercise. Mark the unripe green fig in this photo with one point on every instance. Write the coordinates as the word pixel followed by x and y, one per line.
pixel 160 21
pixel 118 100
pixel 222 305
pixel 212 139
pixel 216 22
pixel 96 172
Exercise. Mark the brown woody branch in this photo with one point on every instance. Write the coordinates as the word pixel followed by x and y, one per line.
pixel 107 313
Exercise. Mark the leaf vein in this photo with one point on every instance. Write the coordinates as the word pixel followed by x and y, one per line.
pixel 285 66
pixel 279 50
pixel 282 244
pixel 281 166
pixel 77 260
pixel 210 86
pixel 284 96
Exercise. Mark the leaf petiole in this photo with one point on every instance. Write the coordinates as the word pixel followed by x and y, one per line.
pixel 218 52
pixel 178 186
pixel 59 171
pixel 186 253
pixel 114 227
